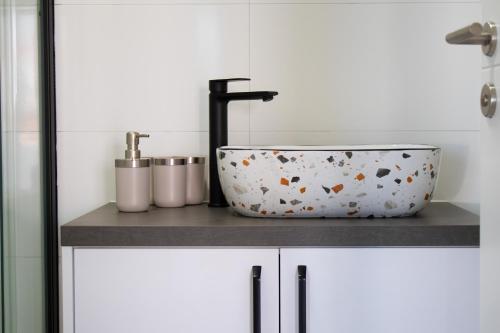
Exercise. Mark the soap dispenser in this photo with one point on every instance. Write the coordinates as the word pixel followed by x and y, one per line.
pixel 133 177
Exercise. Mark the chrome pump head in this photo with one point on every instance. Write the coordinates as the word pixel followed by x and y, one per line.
pixel 133 151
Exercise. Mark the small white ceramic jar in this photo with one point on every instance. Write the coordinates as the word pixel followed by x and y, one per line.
pixel 169 174
pixel 195 182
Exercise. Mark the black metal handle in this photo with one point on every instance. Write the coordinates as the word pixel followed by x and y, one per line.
pixel 256 270
pixel 231 79
pixel 302 270
pixel 220 85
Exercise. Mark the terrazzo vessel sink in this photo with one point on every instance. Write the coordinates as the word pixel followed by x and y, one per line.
pixel 328 181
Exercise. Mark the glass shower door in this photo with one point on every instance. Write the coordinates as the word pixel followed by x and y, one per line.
pixel 22 258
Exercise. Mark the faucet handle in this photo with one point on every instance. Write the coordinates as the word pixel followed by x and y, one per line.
pixel 231 79
pixel 220 85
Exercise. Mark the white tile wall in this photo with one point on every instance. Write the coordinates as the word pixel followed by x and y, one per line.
pixel 361 71
pixel 363 67
pixel 147 67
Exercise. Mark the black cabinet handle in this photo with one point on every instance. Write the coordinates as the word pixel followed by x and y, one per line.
pixel 302 270
pixel 256 270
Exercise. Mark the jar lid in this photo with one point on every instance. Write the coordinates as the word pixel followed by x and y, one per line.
pixel 196 160
pixel 170 160
pixel 132 163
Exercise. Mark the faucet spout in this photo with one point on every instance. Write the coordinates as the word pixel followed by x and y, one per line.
pixel 219 99
pixel 265 96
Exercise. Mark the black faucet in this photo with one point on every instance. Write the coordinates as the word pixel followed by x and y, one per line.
pixel 219 99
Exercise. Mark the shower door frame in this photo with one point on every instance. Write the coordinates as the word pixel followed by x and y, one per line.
pixel 49 165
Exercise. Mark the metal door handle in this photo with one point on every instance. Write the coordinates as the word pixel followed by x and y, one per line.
pixel 302 270
pixel 256 270
pixel 476 34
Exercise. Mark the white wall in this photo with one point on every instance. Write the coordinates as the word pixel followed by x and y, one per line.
pixel 348 71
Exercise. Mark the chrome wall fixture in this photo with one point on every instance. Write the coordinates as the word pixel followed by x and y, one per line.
pixel 488 100
pixel 476 34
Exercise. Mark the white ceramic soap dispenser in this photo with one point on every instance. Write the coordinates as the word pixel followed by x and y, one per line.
pixel 133 177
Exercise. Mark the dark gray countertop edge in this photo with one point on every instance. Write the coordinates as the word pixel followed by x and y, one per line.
pixel 273 236
pixel 439 225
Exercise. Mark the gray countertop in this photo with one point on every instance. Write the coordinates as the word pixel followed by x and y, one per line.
pixel 440 224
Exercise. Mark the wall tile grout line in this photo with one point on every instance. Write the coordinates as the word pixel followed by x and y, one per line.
pixel 369 3
pixel 142 4
pixel 284 131
pixel 145 4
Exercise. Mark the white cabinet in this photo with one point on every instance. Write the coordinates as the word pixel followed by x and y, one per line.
pixel 382 290
pixel 152 290
pixel 347 290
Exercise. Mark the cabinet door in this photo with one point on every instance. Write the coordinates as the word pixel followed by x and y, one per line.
pixel 173 290
pixel 382 290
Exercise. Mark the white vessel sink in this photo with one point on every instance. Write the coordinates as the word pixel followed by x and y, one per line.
pixel 328 181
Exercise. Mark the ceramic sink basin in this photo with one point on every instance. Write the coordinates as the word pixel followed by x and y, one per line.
pixel 328 181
